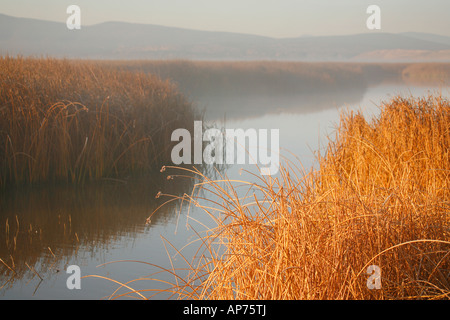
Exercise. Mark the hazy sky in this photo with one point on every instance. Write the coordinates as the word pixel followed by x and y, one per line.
pixel 275 18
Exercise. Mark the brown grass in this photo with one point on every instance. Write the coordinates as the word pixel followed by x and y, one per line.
pixel 423 73
pixel 380 197
pixel 72 121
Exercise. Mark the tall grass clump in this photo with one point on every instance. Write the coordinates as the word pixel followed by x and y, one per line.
pixel 379 196
pixel 73 121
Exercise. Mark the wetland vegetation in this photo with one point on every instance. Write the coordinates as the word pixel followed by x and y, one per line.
pixel 82 144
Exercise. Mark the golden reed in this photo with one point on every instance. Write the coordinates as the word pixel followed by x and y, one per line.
pixel 379 197
pixel 70 121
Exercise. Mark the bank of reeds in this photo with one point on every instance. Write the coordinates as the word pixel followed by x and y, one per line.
pixel 380 197
pixel 72 121
pixel 216 79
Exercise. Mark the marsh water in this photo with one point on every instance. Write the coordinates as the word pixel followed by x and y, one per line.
pixel 102 227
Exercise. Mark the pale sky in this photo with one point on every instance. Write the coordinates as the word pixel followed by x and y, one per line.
pixel 274 18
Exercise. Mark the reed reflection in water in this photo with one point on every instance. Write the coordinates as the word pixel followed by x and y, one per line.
pixel 44 227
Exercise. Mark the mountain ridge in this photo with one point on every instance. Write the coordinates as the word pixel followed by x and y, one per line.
pixel 126 40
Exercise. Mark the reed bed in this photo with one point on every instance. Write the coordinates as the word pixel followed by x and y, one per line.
pixel 379 197
pixel 215 79
pixel 73 121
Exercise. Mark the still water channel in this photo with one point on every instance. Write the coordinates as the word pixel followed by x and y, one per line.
pixel 45 229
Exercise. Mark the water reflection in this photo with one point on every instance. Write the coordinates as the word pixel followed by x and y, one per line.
pixel 43 226
pixel 243 107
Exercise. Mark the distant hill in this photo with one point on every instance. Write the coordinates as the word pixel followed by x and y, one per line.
pixel 119 40
pixel 428 37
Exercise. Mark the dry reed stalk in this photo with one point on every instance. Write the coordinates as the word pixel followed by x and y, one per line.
pixel 380 196
pixel 72 121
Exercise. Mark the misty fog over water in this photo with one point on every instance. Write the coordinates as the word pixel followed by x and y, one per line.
pixel 61 227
